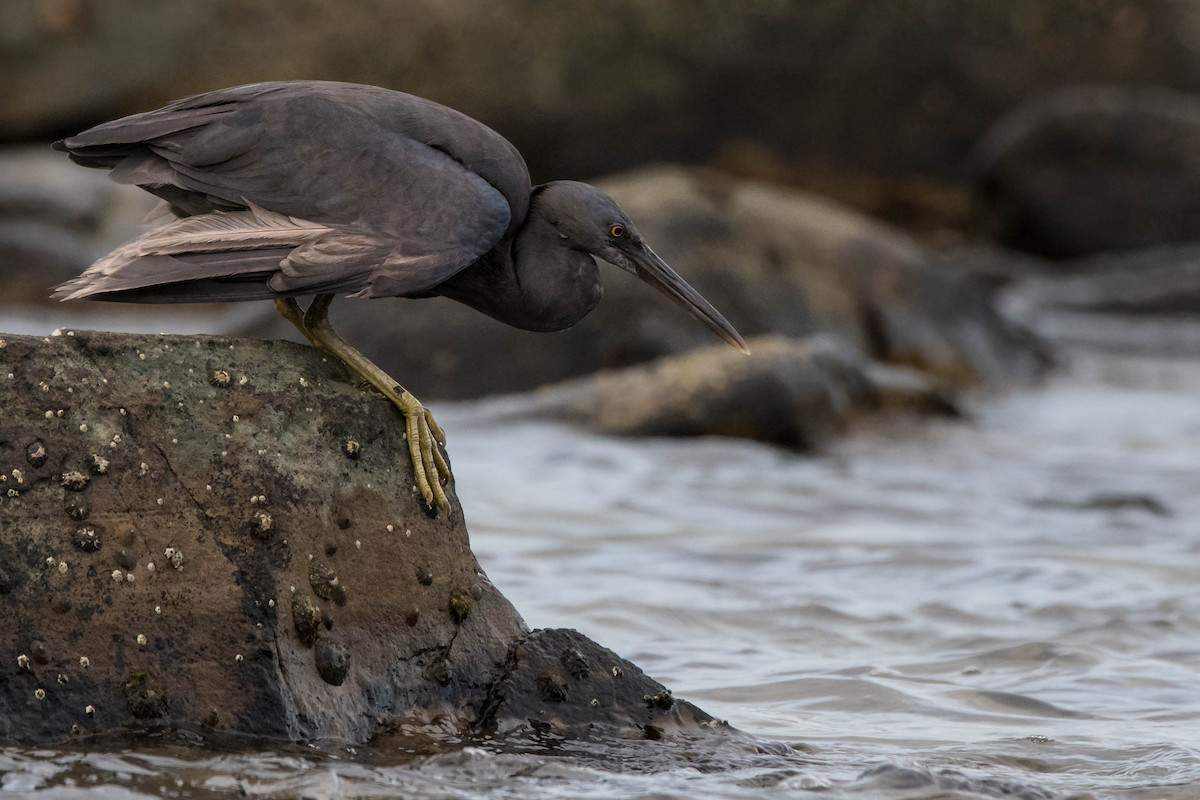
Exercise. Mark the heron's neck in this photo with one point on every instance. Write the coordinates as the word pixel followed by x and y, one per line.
pixel 538 282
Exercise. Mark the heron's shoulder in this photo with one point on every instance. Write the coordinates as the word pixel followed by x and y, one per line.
pixel 476 146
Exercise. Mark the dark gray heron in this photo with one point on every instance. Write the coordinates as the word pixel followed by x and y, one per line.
pixel 293 188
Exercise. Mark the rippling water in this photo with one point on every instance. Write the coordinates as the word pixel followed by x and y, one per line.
pixel 1007 606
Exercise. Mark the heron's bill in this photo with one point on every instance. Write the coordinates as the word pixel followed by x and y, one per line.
pixel 656 272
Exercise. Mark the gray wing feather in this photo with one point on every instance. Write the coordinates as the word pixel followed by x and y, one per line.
pixel 398 215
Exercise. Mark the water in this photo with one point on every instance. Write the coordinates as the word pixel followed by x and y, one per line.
pixel 931 610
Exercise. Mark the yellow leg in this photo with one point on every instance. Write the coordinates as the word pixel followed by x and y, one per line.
pixel 425 436
pixel 290 310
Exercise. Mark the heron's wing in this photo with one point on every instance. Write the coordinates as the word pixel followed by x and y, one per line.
pixel 399 215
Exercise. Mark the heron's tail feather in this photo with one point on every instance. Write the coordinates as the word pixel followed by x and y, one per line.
pixel 239 248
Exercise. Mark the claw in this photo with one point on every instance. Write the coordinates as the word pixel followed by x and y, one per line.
pixel 439 435
pixel 425 440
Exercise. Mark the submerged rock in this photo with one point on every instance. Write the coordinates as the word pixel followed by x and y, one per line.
pixel 152 593
pixel 797 393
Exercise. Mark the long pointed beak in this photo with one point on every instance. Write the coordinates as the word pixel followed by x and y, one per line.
pixel 646 264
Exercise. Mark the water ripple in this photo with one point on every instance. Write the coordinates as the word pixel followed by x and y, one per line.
pixel 1004 607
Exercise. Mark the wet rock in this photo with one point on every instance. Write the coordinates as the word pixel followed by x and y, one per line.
pixel 306 618
pixel 332 661
pixel 439 671
pixel 797 393
pixel 1089 169
pixel 145 700
pixel 206 625
pixel 541 697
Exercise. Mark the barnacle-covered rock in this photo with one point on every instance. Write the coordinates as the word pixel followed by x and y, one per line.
pixel 254 632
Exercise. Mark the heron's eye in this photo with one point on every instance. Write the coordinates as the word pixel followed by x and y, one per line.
pixel 617 231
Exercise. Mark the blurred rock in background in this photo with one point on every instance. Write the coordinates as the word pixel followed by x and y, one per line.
pixel 1095 168
pixel 799 394
pixel 847 86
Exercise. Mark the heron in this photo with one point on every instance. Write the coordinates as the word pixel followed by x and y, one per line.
pixel 287 189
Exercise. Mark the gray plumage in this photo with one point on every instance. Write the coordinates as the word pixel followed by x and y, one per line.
pixel 290 188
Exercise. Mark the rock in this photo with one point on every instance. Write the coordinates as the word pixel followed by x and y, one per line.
pixel 574 687
pixel 181 550
pixel 1089 169
pixel 796 393
pixel 780 261
pixel 774 261
pixel 528 72
pixel 585 88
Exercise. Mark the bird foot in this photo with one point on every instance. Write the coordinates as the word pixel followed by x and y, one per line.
pixel 425 442
pixel 425 437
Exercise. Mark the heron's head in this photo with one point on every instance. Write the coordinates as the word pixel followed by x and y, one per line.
pixel 587 219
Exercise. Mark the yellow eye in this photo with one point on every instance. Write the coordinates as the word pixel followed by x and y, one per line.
pixel 617 231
